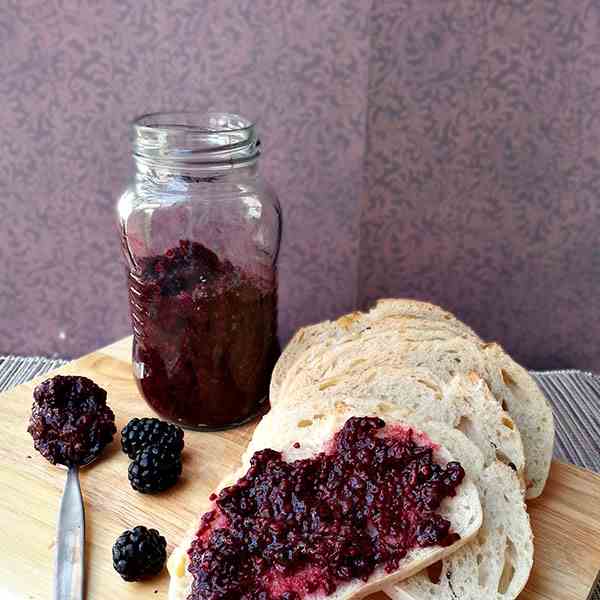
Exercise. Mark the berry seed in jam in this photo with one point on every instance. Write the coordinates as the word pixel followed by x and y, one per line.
pixel 204 336
pixel 286 530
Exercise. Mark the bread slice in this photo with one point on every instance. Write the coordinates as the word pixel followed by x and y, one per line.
pixel 318 338
pixel 512 387
pixel 413 315
pixel 494 566
pixel 524 400
pixel 463 511
pixel 328 358
pixel 417 309
pixel 466 404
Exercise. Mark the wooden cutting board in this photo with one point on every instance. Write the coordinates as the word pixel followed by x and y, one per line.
pixel 566 520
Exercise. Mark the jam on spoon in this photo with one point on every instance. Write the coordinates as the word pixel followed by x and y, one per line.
pixel 70 420
pixel 70 425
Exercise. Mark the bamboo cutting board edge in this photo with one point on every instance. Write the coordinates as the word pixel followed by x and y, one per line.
pixel 566 520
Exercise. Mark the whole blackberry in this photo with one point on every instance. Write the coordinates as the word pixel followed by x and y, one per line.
pixel 139 433
pixel 154 469
pixel 139 553
pixel 70 421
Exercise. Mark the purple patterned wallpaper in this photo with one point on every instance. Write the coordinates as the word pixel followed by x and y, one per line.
pixel 484 169
pixel 444 150
pixel 72 76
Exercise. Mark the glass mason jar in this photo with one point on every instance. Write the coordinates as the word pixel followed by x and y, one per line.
pixel 200 231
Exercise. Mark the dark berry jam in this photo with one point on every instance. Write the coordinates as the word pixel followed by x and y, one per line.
pixel 286 530
pixel 204 336
pixel 70 420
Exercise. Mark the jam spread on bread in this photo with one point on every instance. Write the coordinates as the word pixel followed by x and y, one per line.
pixel 204 336
pixel 289 529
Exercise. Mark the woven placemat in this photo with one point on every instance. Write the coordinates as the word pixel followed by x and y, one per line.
pixel 575 399
pixel 19 369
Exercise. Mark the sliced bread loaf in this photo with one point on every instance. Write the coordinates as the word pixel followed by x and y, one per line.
pixel 521 396
pixel 409 316
pixel 512 387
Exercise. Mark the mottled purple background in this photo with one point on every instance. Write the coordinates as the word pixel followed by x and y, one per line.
pixel 447 150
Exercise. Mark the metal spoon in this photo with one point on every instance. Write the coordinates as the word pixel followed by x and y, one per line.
pixel 69 573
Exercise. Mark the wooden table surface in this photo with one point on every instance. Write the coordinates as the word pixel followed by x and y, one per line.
pixel 566 520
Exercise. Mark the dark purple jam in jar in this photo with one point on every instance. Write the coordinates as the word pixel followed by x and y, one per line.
pixel 204 336
pixel 200 231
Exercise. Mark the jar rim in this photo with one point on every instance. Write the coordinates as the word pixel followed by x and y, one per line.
pixel 192 121
pixel 195 137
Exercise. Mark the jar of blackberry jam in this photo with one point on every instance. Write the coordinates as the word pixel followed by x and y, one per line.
pixel 200 231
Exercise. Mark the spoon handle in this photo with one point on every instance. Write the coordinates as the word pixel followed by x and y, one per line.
pixel 70 542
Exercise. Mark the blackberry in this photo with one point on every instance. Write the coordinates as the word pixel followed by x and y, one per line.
pixel 154 469
pixel 139 553
pixel 70 421
pixel 139 433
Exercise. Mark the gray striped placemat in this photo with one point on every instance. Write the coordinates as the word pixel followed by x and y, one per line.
pixel 19 369
pixel 575 399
